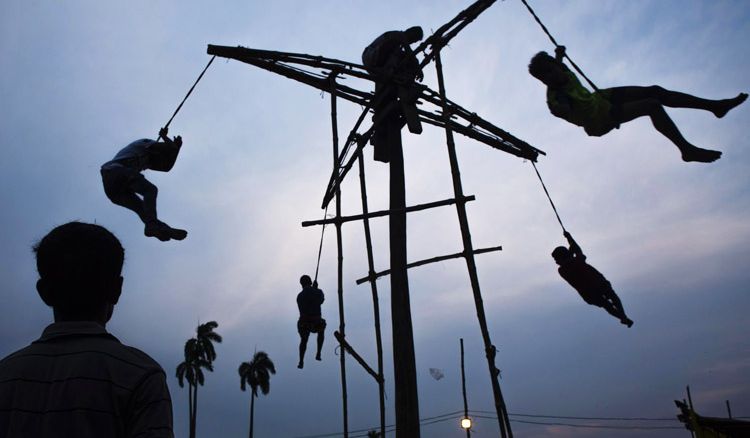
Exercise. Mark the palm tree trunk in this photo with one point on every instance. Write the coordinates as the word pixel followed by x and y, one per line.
pixel 252 412
pixel 195 411
pixel 190 410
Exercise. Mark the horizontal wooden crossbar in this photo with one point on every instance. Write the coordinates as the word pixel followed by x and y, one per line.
pixel 376 275
pixel 380 213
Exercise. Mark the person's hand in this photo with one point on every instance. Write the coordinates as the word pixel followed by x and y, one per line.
pixel 567 235
pixel 178 141
pixel 315 284
pixel 163 132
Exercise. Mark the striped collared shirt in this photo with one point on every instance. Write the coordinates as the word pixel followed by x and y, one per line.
pixel 79 381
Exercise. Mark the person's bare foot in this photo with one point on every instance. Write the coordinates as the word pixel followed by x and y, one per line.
pixel 727 104
pixel 157 229
pixel 177 234
pixel 700 155
pixel 300 365
pixel 317 357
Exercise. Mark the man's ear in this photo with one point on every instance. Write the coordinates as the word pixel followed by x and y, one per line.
pixel 44 292
pixel 115 290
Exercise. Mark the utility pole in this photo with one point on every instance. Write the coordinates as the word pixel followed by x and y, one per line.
pixel 463 390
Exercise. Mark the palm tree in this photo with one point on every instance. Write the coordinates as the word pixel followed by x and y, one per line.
pixel 199 355
pixel 206 336
pixel 256 373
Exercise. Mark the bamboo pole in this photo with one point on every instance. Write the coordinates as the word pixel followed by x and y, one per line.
pixel 380 213
pixel 349 349
pixel 502 415
pixel 374 290
pixel 340 259
pixel 377 275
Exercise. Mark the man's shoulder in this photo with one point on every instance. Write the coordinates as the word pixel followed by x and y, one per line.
pixel 105 351
pixel 139 356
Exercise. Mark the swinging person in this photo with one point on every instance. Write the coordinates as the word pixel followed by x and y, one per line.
pixel 603 110
pixel 123 181
pixel 590 283
pixel 310 321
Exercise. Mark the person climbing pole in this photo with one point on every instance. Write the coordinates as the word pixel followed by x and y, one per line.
pixel 394 67
pixel 310 320
pixel 125 185
pixel 601 111
pixel 593 287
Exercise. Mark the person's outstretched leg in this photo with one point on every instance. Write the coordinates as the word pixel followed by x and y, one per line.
pixel 651 107
pixel 321 337
pixel 154 227
pixel 616 304
pixel 676 99
pixel 303 335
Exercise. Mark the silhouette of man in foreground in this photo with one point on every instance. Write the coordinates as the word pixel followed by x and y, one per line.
pixel 601 111
pixel 394 67
pixel 590 283
pixel 310 321
pixel 78 380
pixel 123 181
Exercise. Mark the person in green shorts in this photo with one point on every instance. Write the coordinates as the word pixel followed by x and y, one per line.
pixel 603 110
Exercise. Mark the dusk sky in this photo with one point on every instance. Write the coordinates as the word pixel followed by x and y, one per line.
pixel 81 79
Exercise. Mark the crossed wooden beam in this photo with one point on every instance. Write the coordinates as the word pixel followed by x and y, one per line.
pixel 434 109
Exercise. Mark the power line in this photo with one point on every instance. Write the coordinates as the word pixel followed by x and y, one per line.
pixel 560 417
pixel 585 426
pixel 483 414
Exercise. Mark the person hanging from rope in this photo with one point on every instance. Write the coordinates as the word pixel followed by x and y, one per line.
pixel 394 66
pixel 125 185
pixel 310 320
pixel 603 110
pixel 593 287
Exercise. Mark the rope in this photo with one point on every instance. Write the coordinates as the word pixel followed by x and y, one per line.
pixel 190 91
pixel 548 196
pixel 551 38
pixel 320 247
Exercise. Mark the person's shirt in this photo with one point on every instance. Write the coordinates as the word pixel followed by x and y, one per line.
pixel 79 381
pixel 577 105
pixel 309 301
pixel 135 155
pixel 584 278
pixel 390 48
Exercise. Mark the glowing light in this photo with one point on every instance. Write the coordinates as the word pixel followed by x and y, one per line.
pixel 466 423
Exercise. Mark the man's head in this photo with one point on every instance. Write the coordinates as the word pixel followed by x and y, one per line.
pixel 560 254
pixel 79 268
pixel 547 69
pixel 305 281
pixel 413 34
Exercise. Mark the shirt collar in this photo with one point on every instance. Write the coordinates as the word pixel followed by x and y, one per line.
pixel 73 328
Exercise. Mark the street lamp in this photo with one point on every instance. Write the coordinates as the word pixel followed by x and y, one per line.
pixel 466 423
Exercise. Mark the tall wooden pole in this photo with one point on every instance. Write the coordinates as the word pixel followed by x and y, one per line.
pixel 374 289
pixel 463 388
pixel 471 266
pixel 339 248
pixel 404 363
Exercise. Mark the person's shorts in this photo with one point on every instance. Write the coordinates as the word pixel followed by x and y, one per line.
pixel 117 179
pixel 307 326
pixel 604 118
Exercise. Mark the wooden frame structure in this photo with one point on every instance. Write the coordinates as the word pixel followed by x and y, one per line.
pixel 322 73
